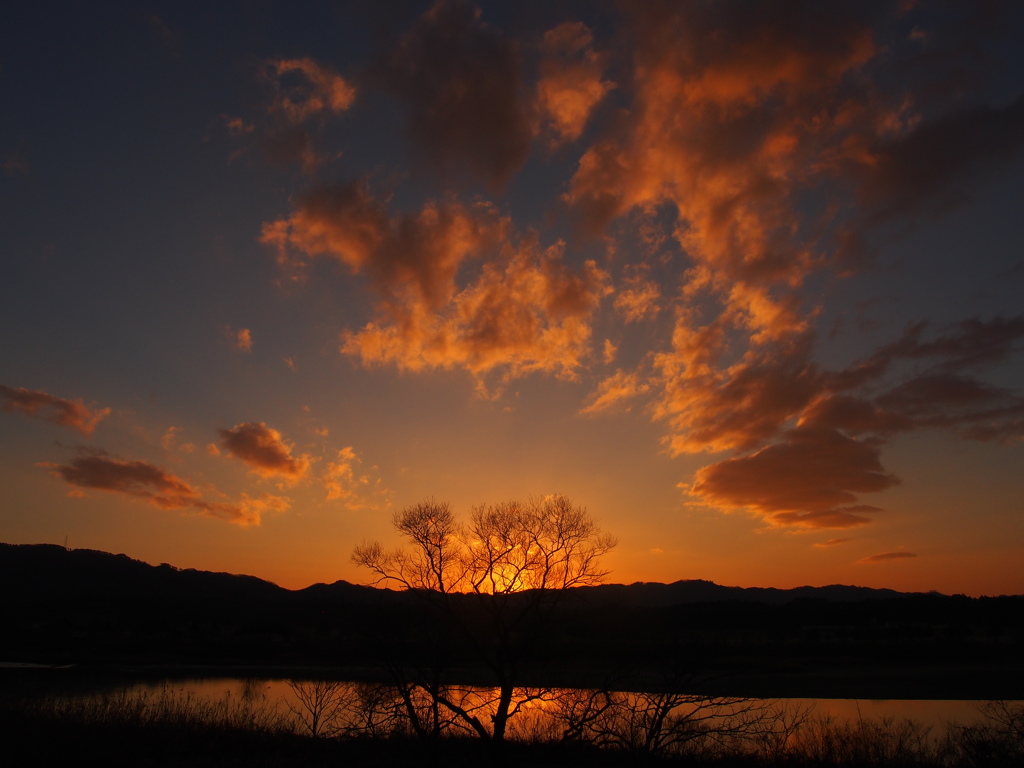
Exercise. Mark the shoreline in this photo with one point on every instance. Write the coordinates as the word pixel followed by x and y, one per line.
pixel 966 682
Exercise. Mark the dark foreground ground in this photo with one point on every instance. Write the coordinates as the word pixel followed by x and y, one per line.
pixel 46 721
pixel 42 741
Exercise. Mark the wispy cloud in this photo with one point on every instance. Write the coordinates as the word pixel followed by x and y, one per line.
pixel 617 388
pixel 304 88
pixel 243 340
pixel 68 413
pixel 154 485
pixel 347 483
pixel 887 556
pixel 830 542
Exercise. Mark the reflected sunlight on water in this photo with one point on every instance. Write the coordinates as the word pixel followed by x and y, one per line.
pixel 935 714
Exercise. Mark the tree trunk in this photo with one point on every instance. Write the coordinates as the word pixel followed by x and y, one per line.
pixel 501 714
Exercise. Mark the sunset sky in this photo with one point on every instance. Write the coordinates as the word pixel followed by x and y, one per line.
pixel 745 279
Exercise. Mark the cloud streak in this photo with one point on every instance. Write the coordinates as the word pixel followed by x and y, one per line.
pixel 148 482
pixel 73 414
pixel 884 557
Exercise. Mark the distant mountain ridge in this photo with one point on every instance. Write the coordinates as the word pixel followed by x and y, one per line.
pixel 94 609
pixel 38 570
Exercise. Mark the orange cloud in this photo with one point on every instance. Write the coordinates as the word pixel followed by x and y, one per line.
pixel 524 311
pixel 571 80
pixel 170 438
pixel 345 483
pixel 304 89
pixel 145 481
pixel 264 450
pixel 639 300
pixel 810 475
pixel 752 138
pixel 886 556
pixel 830 542
pixel 461 79
pixel 523 314
pixel 305 95
pixel 610 351
pixel 736 408
pixel 68 413
pixel 240 339
pixel 614 389
pixel 809 479
pixel 412 256
pixel 729 117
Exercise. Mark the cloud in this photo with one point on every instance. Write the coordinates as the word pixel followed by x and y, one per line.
pixel 68 413
pixel 305 95
pixel 304 89
pixel 525 313
pixel 809 479
pixel 609 352
pixel 887 556
pixel 243 340
pixel 730 111
pixel 963 345
pixel 830 542
pixel 169 441
pixel 614 389
pixel 639 300
pixel 461 80
pixel 347 484
pixel 907 171
pixel 145 481
pixel 409 257
pixel 810 475
pixel 264 451
pixel 734 408
pixel 240 339
pixel 523 310
pixel 236 126
pixel 770 140
pixel 571 80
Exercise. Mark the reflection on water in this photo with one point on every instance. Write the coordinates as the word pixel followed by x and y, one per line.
pixel 281 694
pixel 636 722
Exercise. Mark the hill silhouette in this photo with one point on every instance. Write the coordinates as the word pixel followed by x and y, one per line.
pixel 88 607
pixel 49 571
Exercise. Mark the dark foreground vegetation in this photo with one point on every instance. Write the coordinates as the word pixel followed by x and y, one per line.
pixel 167 728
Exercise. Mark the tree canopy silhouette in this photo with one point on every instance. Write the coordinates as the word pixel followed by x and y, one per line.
pixel 515 559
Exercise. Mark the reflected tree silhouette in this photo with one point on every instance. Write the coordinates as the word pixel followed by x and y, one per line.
pixel 675 720
pixel 321 706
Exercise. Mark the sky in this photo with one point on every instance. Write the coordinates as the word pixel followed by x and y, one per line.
pixel 743 279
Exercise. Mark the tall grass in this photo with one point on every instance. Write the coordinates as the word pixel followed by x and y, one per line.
pixel 175 726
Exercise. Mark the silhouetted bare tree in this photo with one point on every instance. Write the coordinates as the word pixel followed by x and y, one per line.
pixel 673 720
pixel 320 706
pixel 511 563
